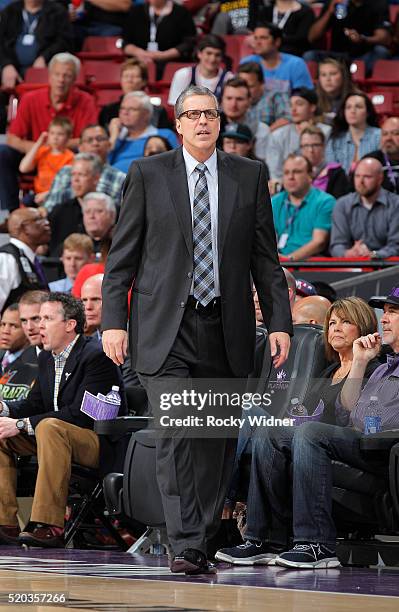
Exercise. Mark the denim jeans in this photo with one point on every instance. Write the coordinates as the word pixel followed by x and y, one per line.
pixel 291 481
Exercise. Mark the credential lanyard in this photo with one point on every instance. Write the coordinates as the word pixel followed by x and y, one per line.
pixel 30 27
pixel 280 23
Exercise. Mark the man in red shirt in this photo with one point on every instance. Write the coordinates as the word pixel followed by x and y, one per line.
pixel 35 111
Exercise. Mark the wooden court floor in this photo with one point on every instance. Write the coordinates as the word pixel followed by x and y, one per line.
pixel 114 595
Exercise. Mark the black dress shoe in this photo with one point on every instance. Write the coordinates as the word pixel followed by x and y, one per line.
pixel 9 535
pixel 191 562
pixel 42 536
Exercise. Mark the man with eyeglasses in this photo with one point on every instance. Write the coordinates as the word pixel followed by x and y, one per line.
pixel 195 224
pixel 388 154
pixel 20 268
pixel 129 132
pixel 93 139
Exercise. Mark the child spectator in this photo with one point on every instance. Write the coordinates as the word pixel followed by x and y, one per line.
pixel 77 251
pixel 48 155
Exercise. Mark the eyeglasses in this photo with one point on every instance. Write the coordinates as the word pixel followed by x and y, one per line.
pixel 95 139
pixel 194 115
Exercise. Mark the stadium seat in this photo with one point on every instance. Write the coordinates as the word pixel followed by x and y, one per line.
pixel 358 71
pixel 383 102
pixel 393 12
pixel 107 96
pixel 313 69
pixel 102 47
pixel 170 69
pixel 102 75
pixel 385 72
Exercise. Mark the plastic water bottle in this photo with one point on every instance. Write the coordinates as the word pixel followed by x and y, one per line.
pixel 298 409
pixel 113 396
pixel 372 422
pixel 341 9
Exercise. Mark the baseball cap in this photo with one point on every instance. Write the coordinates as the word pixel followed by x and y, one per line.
pixel 240 131
pixel 307 94
pixel 304 289
pixel 392 298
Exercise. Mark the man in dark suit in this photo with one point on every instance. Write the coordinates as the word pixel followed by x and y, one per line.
pixel 50 424
pixel 194 224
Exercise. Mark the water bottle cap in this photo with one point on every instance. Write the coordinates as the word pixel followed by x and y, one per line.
pixel 115 388
pixel 374 398
pixel 295 401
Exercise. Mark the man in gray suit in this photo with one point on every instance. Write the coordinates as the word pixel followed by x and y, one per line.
pixel 195 224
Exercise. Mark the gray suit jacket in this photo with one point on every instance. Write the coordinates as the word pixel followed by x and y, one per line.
pixel 152 247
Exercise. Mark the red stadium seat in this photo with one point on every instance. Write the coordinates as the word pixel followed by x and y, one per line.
pixel 102 75
pixel 358 71
pixel 102 47
pixel 393 12
pixel 383 102
pixel 312 67
pixel 107 96
pixel 170 70
pixel 385 72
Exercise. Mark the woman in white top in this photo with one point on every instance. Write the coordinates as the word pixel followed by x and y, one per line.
pixel 208 72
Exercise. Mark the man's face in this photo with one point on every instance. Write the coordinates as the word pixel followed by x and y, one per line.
pixel 73 261
pixel 61 78
pixel 132 114
pixel 368 178
pixel 95 140
pixel 198 134
pixel 296 178
pixel 82 178
pixel 301 109
pixel 12 337
pixel 256 88
pixel 36 227
pixel 263 42
pixel 390 136
pixel 210 58
pixel 53 327
pixel 92 300
pixel 390 326
pixel 235 146
pixel 131 80
pixel 29 315
pixel 97 220
pixel 235 102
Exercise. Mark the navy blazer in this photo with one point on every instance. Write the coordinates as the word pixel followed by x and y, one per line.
pixel 86 369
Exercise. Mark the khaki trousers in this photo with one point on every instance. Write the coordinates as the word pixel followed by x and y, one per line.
pixel 57 444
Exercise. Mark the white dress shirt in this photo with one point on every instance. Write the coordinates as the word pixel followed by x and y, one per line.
pixel 212 180
pixel 10 277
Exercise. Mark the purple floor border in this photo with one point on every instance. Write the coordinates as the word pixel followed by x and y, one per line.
pixel 382 582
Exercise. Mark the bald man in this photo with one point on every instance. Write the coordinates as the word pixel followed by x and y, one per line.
pixel 388 153
pixel 366 222
pixel 311 309
pixel 92 300
pixel 20 270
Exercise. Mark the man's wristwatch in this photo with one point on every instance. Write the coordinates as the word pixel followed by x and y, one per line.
pixel 20 425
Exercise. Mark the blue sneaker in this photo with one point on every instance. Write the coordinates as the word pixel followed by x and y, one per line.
pixel 249 553
pixel 308 556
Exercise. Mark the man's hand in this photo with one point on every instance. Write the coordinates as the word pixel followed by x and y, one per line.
pixel 10 77
pixel 367 347
pixel 353 35
pixel 115 345
pixel 279 340
pixel 359 249
pixel 8 428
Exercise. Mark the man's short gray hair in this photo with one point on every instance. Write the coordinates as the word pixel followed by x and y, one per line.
pixel 99 196
pixel 193 90
pixel 66 58
pixel 145 100
pixel 95 160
